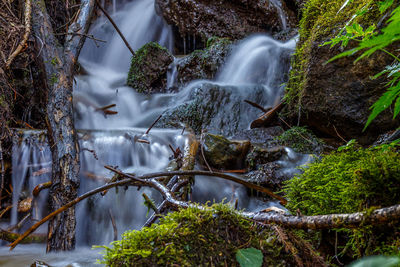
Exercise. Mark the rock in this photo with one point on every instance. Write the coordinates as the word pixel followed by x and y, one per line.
pixel 261 136
pixel 226 18
pixel 335 98
pixel 38 263
pixel 222 153
pixel 216 108
pixel 301 140
pixel 261 155
pixel 203 64
pixel 268 175
pixel 148 71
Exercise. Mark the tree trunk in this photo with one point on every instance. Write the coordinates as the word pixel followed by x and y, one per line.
pixel 58 66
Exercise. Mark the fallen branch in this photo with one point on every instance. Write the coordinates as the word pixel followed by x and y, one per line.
pixel 152 125
pixel 266 118
pixel 251 103
pixel 115 27
pixel 21 45
pixel 352 220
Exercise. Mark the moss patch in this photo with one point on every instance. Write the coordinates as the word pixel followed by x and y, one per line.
pixel 301 140
pixel 193 237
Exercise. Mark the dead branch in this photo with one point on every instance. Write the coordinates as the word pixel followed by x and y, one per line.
pixel 106 110
pixel 154 123
pixel 40 187
pixel 266 118
pixel 115 27
pixel 251 103
pixel 331 221
pixel 21 45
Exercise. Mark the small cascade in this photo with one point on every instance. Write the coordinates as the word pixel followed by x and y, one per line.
pixel 278 5
pixel 31 165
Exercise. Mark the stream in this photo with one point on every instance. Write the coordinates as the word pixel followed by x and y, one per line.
pixel 112 139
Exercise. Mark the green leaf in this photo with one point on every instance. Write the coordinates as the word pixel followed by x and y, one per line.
pixel 381 261
pixel 384 5
pixel 249 257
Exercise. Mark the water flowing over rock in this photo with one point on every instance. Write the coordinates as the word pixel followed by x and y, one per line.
pixel 233 19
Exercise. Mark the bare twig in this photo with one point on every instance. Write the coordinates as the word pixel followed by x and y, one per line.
pixel 114 225
pixel 337 133
pixel 154 123
pixel 115 27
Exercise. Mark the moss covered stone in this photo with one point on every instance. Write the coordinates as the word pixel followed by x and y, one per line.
pixel 149 66
pixel 301 140
pixel 194 237
pixel 336 97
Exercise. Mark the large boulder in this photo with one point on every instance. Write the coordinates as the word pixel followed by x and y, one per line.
pixel 335 98
pixel 149 67
pixel 220 109
pixel 226 18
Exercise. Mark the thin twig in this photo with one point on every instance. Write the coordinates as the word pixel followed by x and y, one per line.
pixel 115 27
pixel 154 123
pixel 114 225
pixel 337 133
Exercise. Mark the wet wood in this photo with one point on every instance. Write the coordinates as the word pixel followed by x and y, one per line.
pixel 40 187
pixel 58 67
pixel 266 118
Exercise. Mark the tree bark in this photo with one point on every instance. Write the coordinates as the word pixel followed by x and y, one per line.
pixel 58 64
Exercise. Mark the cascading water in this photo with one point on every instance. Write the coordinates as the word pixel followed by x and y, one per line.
pixel 256 62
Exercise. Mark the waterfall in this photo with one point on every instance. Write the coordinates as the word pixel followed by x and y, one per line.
pixel 105 139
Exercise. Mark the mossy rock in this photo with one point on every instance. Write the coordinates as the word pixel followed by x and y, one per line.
pixel 149 67
pixel 335 98
pixel 222 153
pixel 301 140
pixel 216 108
pixel 195 237
pixel 261 155
pixel 352 179
pixel 203 64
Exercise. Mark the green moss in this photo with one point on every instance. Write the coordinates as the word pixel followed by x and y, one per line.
pixel 301 140
pixel 347 181
pixel 137 75
pixel 321 21
pixel 194 237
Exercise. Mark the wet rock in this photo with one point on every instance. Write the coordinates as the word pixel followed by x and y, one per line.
pixel 222 153
pixel 260 155
pixel 203 64
pixel 148 71
pixel 335 98
pixel 226 18
pixel 216 108
pixel 268 175
pixel 40 264
pixel 261 136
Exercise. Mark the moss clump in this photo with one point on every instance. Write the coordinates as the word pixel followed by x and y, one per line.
pixel 194 237
pixel 321 21
pixel 347 181
pixel 301 140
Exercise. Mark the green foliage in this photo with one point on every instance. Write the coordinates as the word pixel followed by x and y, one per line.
pixel 301 140
pixel 370 42
pixel 249 257
pixel 194 237
pixel 380 261
pixel 352 179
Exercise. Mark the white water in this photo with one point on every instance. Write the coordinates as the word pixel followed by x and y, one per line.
pixel 256 60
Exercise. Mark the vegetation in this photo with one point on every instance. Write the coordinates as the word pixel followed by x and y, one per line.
pixel 349 180
pixel 215 236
